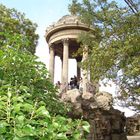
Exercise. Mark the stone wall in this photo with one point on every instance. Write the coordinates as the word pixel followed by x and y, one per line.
pixel 133 125
pixel 106 123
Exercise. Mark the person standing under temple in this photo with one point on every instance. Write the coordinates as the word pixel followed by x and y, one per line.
pixel 58 84
pixel 75 82
pixel 71 83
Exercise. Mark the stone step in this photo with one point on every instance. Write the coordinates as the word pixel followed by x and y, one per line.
pixel 137 134
pixel 133 137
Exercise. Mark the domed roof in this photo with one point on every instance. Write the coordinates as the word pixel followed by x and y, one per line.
pixel 67 22
pixel 68 19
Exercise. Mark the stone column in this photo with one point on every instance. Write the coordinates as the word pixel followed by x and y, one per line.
pixel 65 61
pixel 85 71
pixel 51 62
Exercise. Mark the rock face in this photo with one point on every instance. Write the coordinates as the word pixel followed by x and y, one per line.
pixel 70 96
pixel 104 100
pixel 133 125
pixel 106 123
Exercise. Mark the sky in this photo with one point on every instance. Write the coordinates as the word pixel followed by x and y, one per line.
pixel 45 13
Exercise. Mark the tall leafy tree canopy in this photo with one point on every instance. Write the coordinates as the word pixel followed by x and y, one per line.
pixel 13 22
pixel 113 45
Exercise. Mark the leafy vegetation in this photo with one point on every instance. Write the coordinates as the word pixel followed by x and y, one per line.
pixel 13 22
pixel 29 106
pixel 24 119
pixel 113 45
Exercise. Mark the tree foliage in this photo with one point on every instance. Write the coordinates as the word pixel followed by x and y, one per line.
pixel 114 46
pixel 13 22
pixel 29 106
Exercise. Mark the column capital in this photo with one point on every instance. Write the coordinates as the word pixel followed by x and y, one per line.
pixel 51 48
pixel 65 41
pixel 51 45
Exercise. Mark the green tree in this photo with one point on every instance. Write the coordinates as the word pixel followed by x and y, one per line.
pixel 13 22
pixel 29 106
pixel 114 47
pixel 74 7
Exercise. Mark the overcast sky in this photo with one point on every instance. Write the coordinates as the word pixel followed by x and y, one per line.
pixel 44 13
